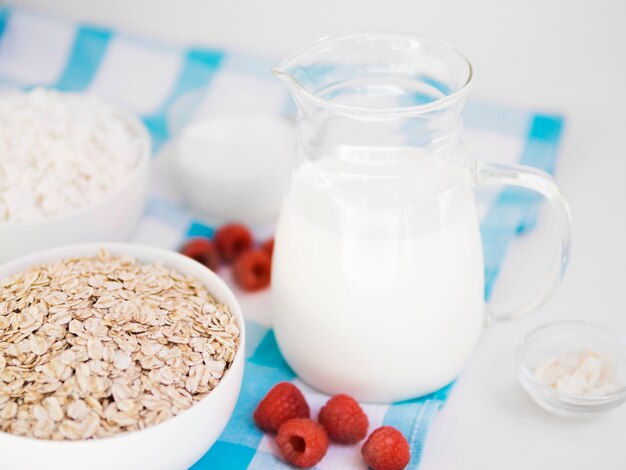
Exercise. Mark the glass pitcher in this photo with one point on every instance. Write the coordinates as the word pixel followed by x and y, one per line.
pixel 377 282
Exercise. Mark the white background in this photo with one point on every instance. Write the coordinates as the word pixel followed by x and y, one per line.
pixel 566 56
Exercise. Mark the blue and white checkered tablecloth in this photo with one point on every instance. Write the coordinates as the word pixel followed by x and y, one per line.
pixel 147 78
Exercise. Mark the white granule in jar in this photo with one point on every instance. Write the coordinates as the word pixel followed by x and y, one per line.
pixel 60 151
pixel 583 372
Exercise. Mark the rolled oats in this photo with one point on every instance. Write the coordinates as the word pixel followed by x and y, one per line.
pixel 95 346
pixel 60 151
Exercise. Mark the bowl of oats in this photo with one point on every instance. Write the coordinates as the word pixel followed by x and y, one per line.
pixel 115 356
pixel 73 169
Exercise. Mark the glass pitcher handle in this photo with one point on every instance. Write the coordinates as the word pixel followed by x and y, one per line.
pixel 541 182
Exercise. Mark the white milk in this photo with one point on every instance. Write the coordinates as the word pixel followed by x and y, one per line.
pixel 378 278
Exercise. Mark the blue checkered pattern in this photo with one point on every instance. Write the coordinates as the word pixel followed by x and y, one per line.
pixel 147 78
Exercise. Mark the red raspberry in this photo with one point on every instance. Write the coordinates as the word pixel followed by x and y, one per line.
pixel 344 420
pixel 386 449
pixel 253 270
pixel 268 247
pixel 283 402
pixel 232 240
pixel 203 251
pixel 302 442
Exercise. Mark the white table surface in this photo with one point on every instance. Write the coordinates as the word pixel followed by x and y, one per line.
pixel 562 55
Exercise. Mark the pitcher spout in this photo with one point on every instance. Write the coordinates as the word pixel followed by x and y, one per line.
pixel 281 71
pixel 298 71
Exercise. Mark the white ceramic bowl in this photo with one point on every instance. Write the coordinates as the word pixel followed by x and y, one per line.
pixel 110 219
pixel 234 167
pixel 173 444
pixel 229 160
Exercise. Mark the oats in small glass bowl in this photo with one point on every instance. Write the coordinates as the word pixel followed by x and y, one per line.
pixel 573 369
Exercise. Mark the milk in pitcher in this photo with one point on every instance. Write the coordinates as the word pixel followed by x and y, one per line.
pixel 378 276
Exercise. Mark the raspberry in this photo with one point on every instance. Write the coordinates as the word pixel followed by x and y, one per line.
pixel 203 251
pixel 302 442
pixel 268 247
pixel 283 402
pixel 386 449
pixel 344 420
pixel 232 240
pixel 253 270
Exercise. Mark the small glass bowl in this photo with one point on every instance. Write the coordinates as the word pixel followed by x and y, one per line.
pixel 558 337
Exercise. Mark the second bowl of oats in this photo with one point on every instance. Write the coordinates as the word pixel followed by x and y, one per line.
pixel 73 169
pixel 115 356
